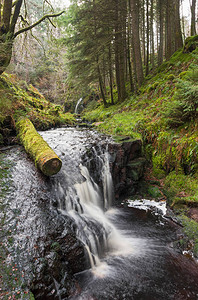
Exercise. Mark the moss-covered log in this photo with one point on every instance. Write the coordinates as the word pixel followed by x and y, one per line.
pixel 44 157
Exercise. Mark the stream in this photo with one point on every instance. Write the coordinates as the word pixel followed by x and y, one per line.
pixel 70 241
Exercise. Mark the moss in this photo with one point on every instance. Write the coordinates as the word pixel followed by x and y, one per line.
pixel 171 77
pixel 182 74
pixel 154 192
pixel 191 232
pixel 44 157
pixel 23 100
pixel 190 44
pixel 181 189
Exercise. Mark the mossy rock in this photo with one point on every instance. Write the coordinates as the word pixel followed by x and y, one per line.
pixel 136 168
pixel 190 44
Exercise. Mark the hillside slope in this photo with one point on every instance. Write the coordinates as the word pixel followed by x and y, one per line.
pixel 18 99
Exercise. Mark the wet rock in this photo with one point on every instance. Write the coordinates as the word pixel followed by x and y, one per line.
pixel 127 166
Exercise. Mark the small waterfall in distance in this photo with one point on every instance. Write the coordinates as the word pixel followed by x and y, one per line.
pixel 77 105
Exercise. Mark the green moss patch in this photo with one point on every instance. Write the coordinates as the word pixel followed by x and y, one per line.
pixel 22 100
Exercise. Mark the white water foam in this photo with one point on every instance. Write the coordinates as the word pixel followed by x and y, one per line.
pixel 143 204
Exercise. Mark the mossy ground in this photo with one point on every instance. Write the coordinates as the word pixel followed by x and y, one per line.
pixel 17 99
pixel 164 113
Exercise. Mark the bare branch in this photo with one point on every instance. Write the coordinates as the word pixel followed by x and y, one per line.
pixel 48 4
pixel 37 23
pixel 52 23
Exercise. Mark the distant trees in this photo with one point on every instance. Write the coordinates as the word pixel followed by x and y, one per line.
pixel 113 42
pixel 9 15
pixel 108 46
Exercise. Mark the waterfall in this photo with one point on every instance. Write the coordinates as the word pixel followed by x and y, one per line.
pixel 77 105
pixel 84 202
pixel 81 198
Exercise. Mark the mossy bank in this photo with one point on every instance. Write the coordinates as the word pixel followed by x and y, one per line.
pixel 18 99
pixel 164 114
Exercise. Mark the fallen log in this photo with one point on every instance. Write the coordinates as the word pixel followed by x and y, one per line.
pixel 44 157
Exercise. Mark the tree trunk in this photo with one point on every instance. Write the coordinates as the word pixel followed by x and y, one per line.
pixel 161 32
pixel 5 53
pixel 170 47
pixel 192 8
pixel 147 37
pixel 128 50
pixel 101 84
pixel 178 32
pixel 136 41
pixel 44 157
pixel 152 36
pixel 110 74
pixel 120 28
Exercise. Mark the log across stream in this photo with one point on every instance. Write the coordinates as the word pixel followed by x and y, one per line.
pixel 69 241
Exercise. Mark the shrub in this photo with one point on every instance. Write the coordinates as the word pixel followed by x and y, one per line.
pixel 184 105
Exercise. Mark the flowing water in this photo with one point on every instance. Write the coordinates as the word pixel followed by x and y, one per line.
pixel 129 252
pixel 77 105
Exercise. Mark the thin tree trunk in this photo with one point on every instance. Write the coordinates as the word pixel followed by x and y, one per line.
pixel 128 50
pixel 169 28
pixel 152 38
pixel 143 33
pixel 111 74
pixel 136 42
pixel 178 32
pixel 161 32
pixel 147 37
pixel 192 27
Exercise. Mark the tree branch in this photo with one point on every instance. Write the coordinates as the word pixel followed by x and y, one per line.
pixel 37 23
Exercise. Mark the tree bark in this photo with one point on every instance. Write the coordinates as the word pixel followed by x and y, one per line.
pixel 147 37
pixel 178 32
pixel 161 32
pixel 44 157
pixel 192 27
pixel 110 74
pixel 136 41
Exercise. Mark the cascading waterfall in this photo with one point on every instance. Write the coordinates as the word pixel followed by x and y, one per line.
pixel 82 199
